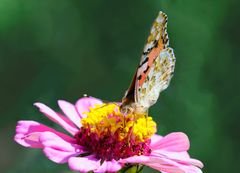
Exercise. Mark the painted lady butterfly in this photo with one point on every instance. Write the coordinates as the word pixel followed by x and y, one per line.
pixel 154 72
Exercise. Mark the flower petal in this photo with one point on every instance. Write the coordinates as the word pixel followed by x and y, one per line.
pixel 52 115
pixel 49 139
pixel 180 157
pixel 83 164
pixel 157 163
pixel 70 111
pixel 83 104
pixel 165 165
pixel 28 133
pixel 192 169
pixel 155 139
pixel 57 149
pixel 135 159
pixel 182 167
pixel 177 141
pixel 109 166
pixel 58 156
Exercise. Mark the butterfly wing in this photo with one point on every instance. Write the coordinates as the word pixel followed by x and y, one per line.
pixel 157 79
pixel 155 69
pixel 156 42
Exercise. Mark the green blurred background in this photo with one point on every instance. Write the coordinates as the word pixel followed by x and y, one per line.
pixel 62 49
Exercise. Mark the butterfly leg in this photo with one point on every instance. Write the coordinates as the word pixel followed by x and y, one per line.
pixel 125 109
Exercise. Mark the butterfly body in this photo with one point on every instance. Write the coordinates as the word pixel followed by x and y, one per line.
pixel 154 72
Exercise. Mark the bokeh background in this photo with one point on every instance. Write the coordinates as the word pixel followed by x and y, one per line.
pixel 62 49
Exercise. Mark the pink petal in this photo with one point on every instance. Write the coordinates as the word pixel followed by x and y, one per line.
pixel 166 167
pixel 52 115
pixel 83 104
pixel 49 139
pixel 57 149
pixel 28 133
pixel 192 169
pixel 182 167
pixel 177 141
pixel 162 164
pixel 155 139
pixel 109 166
pixel 135 159
pixel 180 157
pixel 155 162
pixel 170 154
pixel 58 156
pixel 195 162
pixel 70 111
pixel 83 164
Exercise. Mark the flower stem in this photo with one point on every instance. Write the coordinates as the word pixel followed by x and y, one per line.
pixel 132 169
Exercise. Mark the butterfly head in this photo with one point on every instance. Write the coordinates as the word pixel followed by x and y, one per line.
pixel 129 107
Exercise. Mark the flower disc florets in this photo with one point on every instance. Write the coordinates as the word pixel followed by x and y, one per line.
pixel 109 134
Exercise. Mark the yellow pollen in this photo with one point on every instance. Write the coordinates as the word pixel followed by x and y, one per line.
pixel 106 119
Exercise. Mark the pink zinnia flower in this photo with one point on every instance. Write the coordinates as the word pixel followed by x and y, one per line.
pixel 104 140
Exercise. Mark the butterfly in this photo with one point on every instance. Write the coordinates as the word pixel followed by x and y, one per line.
pixel 154 72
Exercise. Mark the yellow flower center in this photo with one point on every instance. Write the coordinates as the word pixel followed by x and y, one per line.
pixel 107 118
pixel 108 134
